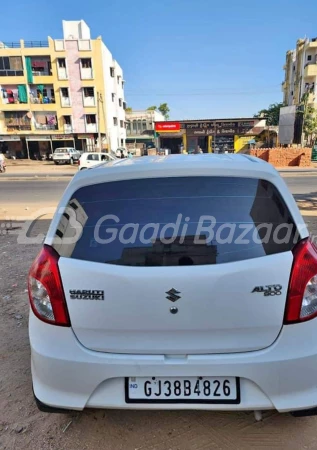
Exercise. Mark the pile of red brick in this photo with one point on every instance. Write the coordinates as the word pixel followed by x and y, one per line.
pixel 282 157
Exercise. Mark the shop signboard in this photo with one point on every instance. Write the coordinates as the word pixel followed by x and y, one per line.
pixel 86 136
pixel 220 127
pixel 38 138
pixel 9 138
pixel 62 137
pixel 167 127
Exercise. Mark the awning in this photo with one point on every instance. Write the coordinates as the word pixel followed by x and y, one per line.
pixel 252 141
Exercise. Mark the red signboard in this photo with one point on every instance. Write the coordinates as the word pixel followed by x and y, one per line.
pixel 165 127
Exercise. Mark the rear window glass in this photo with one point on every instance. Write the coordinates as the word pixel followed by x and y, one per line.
pixel 62 150
pixel 176 221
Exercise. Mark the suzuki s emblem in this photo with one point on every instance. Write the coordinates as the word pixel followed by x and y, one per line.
pixel 172 295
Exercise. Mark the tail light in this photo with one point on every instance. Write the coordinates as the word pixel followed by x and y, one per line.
pixel 301 302
pixel 46 292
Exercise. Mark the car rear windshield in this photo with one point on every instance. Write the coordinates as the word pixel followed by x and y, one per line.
pixel 176 221
pixel 61 150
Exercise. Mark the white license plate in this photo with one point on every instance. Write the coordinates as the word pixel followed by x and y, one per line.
pixel 183 390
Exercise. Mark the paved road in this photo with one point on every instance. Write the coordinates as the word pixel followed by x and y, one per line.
pixel 38 191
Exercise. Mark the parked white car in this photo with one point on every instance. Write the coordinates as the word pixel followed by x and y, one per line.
pixel 66 155
pixel 88 160
pixel 179 283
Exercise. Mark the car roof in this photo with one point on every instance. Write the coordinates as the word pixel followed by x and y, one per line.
pixel 177 165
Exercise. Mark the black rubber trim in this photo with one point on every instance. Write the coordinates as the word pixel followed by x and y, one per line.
pixel 50 409
pixel 236 401
pixel 305 412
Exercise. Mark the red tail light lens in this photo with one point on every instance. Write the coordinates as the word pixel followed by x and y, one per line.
pixel 46 292
pixel 302 291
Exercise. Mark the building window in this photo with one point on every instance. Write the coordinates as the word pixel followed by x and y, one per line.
pixel 292 93
pixel 112 72
pixel 128 127
pixel 124 105
pixel 309 57
pixel 91 118
pixel 143 125
pixel 120 101
pixel 67 120
pixel 11 66
pixel 115 121
pixel 121 124
pixel 122 84
pixel 86 63
pixel 134 125
pixel 61 63
pixel 113 96
pixel 64 92
pixel 118 79
pixel 122 143
pixel 89 92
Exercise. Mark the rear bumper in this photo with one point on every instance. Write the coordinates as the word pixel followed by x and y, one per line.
pixel 66 375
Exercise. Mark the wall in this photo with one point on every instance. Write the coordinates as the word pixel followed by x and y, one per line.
pixel 283 157
pixel 112 108
pixel 77 29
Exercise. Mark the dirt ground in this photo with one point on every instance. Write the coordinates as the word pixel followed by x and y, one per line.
pixel 23 427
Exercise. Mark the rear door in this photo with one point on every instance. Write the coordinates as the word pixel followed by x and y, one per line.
pixel 178 265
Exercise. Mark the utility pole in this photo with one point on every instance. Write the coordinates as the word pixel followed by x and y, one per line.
pixel 99 99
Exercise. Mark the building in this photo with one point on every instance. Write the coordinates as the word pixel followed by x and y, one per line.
pixel 301 73
pixel 212 135
pixel 60 92
pixel 140 128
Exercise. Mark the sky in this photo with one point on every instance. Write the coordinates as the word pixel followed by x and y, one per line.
pixel 205 58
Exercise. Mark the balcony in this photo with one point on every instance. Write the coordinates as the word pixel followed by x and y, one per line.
pixel 65 101
pixel 86 73
pixel 312 44
pixel 45 121
pixel 310 70
pixel 89 101
pixel 17 121
pixel 68 128
pixel 62 73
pixel 91 128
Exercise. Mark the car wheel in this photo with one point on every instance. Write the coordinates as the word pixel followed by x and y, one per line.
pixel 56 163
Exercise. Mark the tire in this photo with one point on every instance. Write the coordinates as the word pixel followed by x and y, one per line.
pixel 56 163
pixel 83 168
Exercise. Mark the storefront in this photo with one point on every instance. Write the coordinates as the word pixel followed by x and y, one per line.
pixel 211 136
pixel 38 146
pixel 170 136
pixel 86 142
pixel 11 145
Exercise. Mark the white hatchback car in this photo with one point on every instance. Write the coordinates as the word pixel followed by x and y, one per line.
pixel 91 159
pixel 176 283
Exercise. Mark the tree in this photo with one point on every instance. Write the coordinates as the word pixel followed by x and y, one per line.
pixel 163 108
pixel 272 114
pixel 128 109
pixel 309 119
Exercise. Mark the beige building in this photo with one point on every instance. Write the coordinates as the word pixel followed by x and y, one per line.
pixel 301 73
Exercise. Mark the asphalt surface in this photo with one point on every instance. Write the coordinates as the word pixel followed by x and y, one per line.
pixel 50 190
